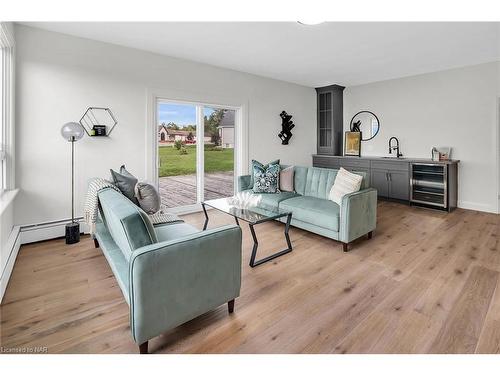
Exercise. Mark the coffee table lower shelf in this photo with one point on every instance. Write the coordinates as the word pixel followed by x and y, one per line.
pixel 253 262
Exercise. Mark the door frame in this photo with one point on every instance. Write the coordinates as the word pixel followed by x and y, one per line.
pixel 240 105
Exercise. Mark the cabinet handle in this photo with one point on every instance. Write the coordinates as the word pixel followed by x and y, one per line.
pixel 386 176
pixel 390 177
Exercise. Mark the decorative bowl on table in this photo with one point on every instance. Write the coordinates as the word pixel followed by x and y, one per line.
pixel 245 200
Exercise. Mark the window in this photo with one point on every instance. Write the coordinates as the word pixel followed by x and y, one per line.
pixel 6 105
pixel 197 162
pixel 2 132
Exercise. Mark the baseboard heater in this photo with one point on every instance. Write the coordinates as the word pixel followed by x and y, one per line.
pixel 47 230
pixel 13 244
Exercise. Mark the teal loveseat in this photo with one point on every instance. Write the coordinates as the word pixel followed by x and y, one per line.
pixel 171 273
pixel 312 211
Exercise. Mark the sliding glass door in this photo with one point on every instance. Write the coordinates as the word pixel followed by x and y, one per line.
pixel 196 153
pixel 218 152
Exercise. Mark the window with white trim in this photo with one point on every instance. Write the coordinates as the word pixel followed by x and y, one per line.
pixel 6 105
pixel 3 127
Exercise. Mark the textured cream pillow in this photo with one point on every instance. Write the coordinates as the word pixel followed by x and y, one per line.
pixel 345 183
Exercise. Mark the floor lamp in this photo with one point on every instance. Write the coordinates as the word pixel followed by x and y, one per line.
pixel 72 132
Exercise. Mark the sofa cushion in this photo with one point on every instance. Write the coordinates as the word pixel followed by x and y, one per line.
pixel 317 182
pixel 300 178
pixel 115 258
pixel 316 211
pixel 172 231
pixel 129 226
pixel 271 201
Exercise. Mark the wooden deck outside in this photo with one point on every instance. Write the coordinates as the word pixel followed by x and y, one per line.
pixel 181 190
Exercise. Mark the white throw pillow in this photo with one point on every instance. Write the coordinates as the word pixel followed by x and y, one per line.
pixel 345 183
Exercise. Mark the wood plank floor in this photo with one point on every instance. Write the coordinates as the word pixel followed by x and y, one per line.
pixel 428 282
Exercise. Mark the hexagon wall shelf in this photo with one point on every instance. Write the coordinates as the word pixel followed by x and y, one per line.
pixel 98 121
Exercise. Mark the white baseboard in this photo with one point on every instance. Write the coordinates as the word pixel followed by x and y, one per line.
pixel 477 206
pixel 46 231
pixel 13 244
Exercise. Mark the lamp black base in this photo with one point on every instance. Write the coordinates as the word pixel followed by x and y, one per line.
pixel 72 233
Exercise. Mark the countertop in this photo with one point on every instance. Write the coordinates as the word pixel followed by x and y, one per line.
pixel 402 159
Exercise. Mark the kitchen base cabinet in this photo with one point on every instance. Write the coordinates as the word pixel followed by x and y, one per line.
pixel 392 177
pixel 380 181
pixel 391 184
pixel 399 185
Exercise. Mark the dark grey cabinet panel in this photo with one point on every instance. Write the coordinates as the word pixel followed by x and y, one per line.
pixel 349 162
pixel 399 185
pixel 397 176
pixel 330 114
pixel 355 165
pixel 325 162
pixel 391 183
pixel 380 181
pixel 391 165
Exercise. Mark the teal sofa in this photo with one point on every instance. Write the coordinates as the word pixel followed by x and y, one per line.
pixel 312 211
pixel 169 274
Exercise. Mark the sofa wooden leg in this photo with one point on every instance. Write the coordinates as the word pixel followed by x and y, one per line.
pixel 345 247
pixel 230 306
pixel 96 243
pixel 370 235
pixel 143 348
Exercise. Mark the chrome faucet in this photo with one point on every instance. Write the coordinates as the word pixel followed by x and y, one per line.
pixel 391 147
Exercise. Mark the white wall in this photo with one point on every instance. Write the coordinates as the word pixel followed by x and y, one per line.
pixel 457 108
pixel 59 76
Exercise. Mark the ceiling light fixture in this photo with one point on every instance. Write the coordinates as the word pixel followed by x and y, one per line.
pixel 310 22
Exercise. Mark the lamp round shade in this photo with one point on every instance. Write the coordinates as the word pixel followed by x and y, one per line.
pixel 72 131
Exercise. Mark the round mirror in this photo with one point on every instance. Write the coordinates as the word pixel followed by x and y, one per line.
pixel 367 123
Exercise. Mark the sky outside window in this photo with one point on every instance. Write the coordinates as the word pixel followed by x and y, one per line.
pixel 180 114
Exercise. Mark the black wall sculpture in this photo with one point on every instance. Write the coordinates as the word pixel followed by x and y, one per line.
pixel 286 126
pixel 356 126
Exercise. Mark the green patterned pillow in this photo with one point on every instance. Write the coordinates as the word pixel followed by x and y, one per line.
pixel 266 178
pixel 254 163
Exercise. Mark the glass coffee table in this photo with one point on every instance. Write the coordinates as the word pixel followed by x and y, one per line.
pixel 253 216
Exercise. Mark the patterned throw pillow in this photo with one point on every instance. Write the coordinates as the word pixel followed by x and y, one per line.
pixel 256 163
pixel 266 178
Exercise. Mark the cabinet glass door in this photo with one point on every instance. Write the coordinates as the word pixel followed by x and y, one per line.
pixel 325 120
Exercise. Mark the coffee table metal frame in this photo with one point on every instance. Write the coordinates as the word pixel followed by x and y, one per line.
pixel 251 224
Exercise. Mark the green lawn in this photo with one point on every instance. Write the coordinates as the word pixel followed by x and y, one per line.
pixel 174 164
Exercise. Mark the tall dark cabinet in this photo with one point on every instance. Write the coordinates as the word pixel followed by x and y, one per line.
pixel 330 103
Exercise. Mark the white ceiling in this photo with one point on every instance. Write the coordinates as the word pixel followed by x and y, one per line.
pixel 343 53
